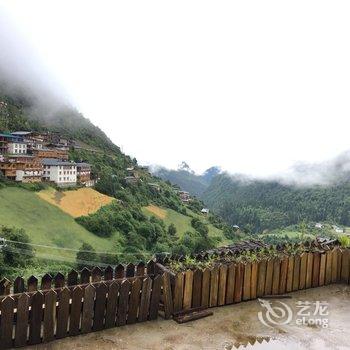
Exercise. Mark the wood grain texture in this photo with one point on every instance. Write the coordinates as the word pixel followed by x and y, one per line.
pixel 231 276
pixel 222 285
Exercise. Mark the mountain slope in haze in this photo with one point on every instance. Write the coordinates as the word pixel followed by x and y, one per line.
pixel 187 179
pixel 257 205
pixel 121 225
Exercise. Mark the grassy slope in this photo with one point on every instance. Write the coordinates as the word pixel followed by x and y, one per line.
pixel 83 201
pixel 45 223
pixel 183 222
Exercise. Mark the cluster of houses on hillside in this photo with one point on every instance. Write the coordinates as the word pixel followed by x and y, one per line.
pixel 29 157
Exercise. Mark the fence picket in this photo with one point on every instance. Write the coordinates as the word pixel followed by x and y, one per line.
pixel 49 316
pixel 88 309
pixel 63 297
pixel 145 299
pixel 316 270
pixel 75 314
pixel 135 297
pixel 328 277
pixel 100 306
pixel 303 268
pixel 123 303
pixel 36 318
pixel 246 281
pixel 238 283
pixel 296 273
pixel 344 275
pixel 197 288
pixel 187 299
pixel 283 276
pixel 334 274
pixel 231 275
pixel 119 271
pixel 261 278
pixel 112 302
pixel 96 274
pixel 108 273
pixel 72 279
pixel 276 276
pixel 167 296
pixel 214 286
pixel 309 266
pixel 178 293
pixel 289 286
pixel 222 285
pixel 7 315
pixel 22 320
pixel 19 285
pixel 269 276
pixel 155 298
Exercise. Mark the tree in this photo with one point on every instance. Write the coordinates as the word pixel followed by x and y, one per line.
pixel 172 230
pixel 16 254
pixel 86 256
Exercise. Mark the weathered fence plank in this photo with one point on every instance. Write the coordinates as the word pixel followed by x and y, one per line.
pixel 303 268
pixel 62 313
pixel 108 273
pixel 135 298
pixel 334 265
pixel 36 318
pixel 7 315
pixel 59 280
pixel 75 314
pixel 100 307
pixel 140 269
pixel 276 276
pixel 178 291
pixel 119 271
pixel 112 302
pixel 344 275
pixel 72 279
pixel 32 284
pixel 145 299
pixel 167 296
pixel 231 275
pixel 296 273
pixel 289 286
pixel 187 300
pixel 130 270
pixel 222 285
pixel 254 280
pixel 46 282
pixel 316 270
pixel 88 309
pixel 155 297
pixel 261 278
pixel 205 289
pixel 238 283
pixel 309 266
pixel 283 276
pixel 85 275
pixel 246 281
pixel 322 276
pixel 123 303
pixel 269 276
pixel 214 286
pixel 22 320
pixel 49 316
pixel 197 288
pixel 96 275
pixel 19 285
pixel 328 277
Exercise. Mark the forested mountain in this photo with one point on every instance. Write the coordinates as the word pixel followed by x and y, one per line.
pixel 187 179
pixel 257 205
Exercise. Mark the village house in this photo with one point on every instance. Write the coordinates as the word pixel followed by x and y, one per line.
pixel 155 186
pixel 205 211
pixel 29 172
pixel 184 196
pixel 84 174
pixel 17 147
pixel 131 180
pixel 53 153
pixel 6 139
pixel 60 172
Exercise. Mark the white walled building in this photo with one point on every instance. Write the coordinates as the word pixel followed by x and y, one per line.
pixel 17 148
pixel 59 172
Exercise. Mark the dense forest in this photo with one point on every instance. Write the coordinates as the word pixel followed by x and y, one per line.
pixel 256 205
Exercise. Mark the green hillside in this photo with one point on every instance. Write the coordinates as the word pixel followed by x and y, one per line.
pixel 183 223
pixel 47 225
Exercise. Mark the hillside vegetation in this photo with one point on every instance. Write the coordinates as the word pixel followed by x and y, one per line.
pixel 258 205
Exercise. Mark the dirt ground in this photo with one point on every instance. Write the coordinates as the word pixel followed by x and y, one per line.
pixel 159 212
pixel 231 327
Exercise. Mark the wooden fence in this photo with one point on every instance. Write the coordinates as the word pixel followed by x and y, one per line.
pixel 41 316
pixel 98 299
pixel 75 278
pixel 232 283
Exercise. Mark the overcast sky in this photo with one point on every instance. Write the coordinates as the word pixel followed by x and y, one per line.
pixel 253 86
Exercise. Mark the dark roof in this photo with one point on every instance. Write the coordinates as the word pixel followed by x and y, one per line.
pixel 56 162
pixel 21 133
pixel 83 164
